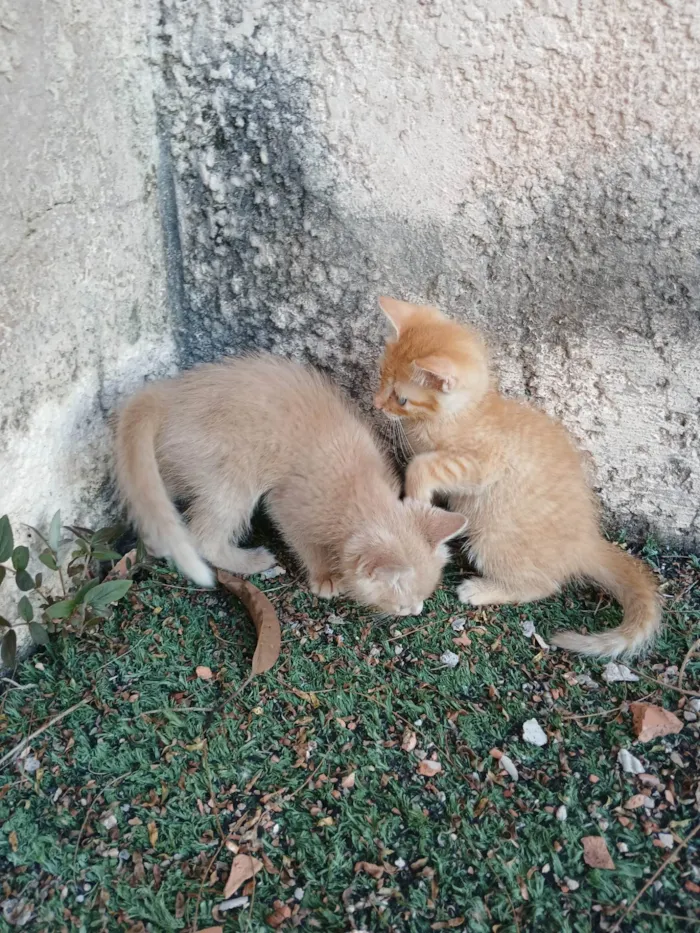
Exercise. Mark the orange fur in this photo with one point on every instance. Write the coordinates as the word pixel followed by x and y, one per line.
pixel 512 471
pixel 224 435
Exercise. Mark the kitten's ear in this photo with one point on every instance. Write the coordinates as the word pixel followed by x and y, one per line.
pixel 380 563
pixel 398 312
pixel 439 372
pixel 440 526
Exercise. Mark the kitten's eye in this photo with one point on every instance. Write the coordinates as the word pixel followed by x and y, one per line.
pixel 401 401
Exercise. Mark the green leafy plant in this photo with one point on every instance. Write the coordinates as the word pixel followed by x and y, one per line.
pixel 84 600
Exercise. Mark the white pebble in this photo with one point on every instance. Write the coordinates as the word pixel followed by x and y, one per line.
pixel 695 704
pixel 449 659
pixel 508 766
pixel 533 733
pixel 528 627
pixel 561 814
pixel 298 894
pixel 234 902
pixel 666 840
pixel 571 884
pixel 618 673
pixel 629 763
pixel 458 624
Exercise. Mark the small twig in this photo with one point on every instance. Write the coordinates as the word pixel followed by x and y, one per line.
pixel 605 712
pixel 667 861
pixel 691 651
pixel 20 745
pixel 661 683
pixel 16 686
pixel 107 786
pixel 412 631
pixel 205 761
pixel 660 913
pixel 178 709
pixel 193 928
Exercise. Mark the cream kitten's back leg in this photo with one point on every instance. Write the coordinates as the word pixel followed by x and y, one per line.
pixel 216 523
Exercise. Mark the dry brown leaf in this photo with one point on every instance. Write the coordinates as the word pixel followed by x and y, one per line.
pixel 264 617
pixel 280 915
pixel 409 741
pixel 14 842
pixel 348 781
pixel 595 853
pixel 243 867
pixel 429 768
pixel 203 672
pixel 651 722
pixel 152 833
pixel 448 924
pixel 122 566
pixel 634 803
pixel 213 930
pixel 369 868
pixel 309 697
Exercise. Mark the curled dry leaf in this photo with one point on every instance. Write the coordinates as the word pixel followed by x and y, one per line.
pixel 213 930
pixel 264 618
pixel 374 871
pixel 204 672
pixel 429 768
pixel 152 833
pixel 595 853
pixel 652 722
pixel 409 741
pixel 348 781
pixel 243 868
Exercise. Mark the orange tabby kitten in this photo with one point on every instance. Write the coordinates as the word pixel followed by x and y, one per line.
pixel 512 470
pixel 226 434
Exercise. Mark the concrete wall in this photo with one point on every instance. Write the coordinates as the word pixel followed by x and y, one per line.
pixel 83 309
pixel 531 167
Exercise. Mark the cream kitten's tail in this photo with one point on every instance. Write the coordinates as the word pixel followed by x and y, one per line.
pixel 144 492
pixel 631 582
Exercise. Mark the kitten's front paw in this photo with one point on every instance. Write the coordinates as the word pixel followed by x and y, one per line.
pixel 324 587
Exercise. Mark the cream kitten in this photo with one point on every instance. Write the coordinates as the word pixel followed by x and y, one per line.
pixel 225 434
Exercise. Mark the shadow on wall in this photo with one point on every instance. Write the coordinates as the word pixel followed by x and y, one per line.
pixel 590 296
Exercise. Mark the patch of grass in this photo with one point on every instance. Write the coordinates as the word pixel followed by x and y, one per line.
pixel 139 795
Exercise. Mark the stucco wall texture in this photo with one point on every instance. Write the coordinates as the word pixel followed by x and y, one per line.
pixel 182 180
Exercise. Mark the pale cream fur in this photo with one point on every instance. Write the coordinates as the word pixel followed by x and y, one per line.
pixel 512 471
pixel 224 435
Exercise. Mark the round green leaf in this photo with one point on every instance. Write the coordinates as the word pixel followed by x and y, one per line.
pixel 7 542
pixel 20 558
pixel 39 634
pixel 25 609
pixel 48 560
pixel 8 651
pixel 4 623
pixel 24 581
